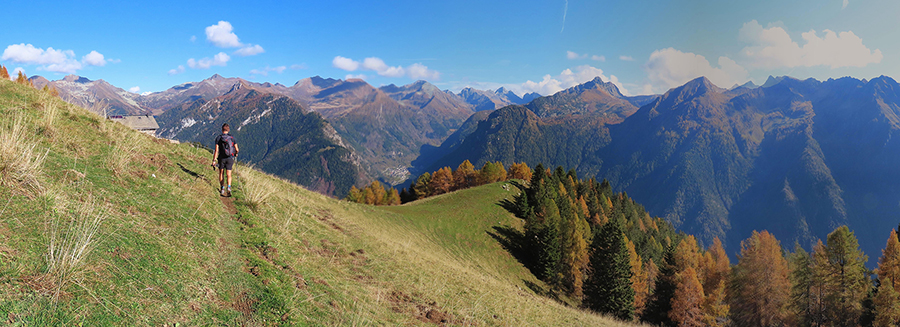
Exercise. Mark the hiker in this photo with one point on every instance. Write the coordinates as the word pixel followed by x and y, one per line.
pixel 223 158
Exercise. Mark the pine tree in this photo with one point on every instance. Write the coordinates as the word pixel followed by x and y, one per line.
pixel 548 238
pixel 819 286
pixel 687 301
pixel 761 289
pixel 657 311
pixel 609 288
pixel 4 74
pixel 422 188
pixel 887 303
pixel 801 286
pixel 845 277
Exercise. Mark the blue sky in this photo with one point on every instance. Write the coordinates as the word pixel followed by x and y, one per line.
pixel 544 46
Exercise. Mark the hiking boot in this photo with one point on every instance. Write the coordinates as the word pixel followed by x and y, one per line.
pixel 222 191
pixel 228 192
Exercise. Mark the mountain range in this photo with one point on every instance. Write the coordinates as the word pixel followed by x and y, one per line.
pixel 795 157
pixel 386 127
pixel 275 133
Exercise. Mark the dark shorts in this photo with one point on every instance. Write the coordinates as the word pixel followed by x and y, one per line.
pixel 226 163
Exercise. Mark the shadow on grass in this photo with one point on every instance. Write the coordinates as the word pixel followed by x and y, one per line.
pixel 514 242
pixel 191 172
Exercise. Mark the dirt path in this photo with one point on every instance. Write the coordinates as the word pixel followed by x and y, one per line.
pixel 228 202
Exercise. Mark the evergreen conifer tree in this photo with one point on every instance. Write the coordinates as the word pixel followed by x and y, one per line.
pixel 609 288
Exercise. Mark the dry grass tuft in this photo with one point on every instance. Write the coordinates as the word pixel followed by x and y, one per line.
pixel 50 108
pixel 20 162
pixel 257 189
pixel 71 242
pixel 125 150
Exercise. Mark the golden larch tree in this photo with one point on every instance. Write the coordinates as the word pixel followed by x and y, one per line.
pixel 688 300
pixel 761 291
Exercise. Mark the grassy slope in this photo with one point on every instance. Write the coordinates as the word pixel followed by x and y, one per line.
pixel 171 251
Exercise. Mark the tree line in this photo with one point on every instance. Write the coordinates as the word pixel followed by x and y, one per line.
pixel 22 79
pixel 442 181
pixel 602 251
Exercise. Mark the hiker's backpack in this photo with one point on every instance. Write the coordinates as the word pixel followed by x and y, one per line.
pixel 228 145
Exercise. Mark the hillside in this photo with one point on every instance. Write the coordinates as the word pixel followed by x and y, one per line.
pixel 163 248
pixel 274 133
pixel 797 158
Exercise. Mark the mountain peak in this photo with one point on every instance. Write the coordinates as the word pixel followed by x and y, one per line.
pixel 215 76
pixel 76 79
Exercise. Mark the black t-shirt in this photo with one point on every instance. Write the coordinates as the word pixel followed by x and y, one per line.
pixel 220 141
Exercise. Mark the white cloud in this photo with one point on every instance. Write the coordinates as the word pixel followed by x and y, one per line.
pixel 345 63
pixel 352 76
pixel 115 61
pixel 135 89
pixel 146 93
pixel 250 50
pixel 573 55
pixel 219 59
pixel 419 71
pixel 846 2
pixel 414 71
pixel 68 67
pixel 598 58
pixel 265 71
pixel 626 58
pixel 222 36
pixel 668 68
pixel 94 59
pixel 300 66
pixel 176 71
pixel 566 79
pixel 61 61
pixel 28 54
pixel 378 65
pixel 773 48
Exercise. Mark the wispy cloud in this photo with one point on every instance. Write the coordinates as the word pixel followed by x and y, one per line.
pixel 571 55
pixel 265 71
pixel 414 71
pixel 626 58
pixel 844 6
pixel 220 59
pixel 565 10
pixel 177 70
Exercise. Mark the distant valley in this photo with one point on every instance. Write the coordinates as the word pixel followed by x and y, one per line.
pixel 797 158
